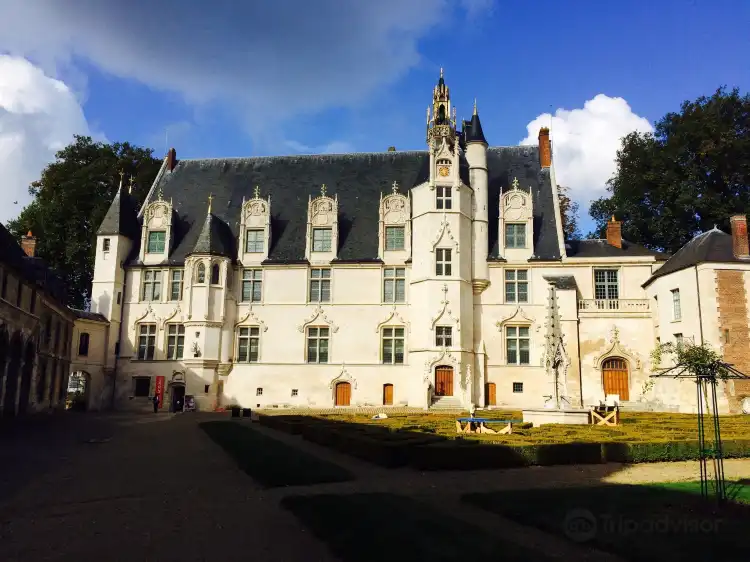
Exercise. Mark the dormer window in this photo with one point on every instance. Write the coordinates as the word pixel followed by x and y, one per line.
pixel 200 276
pixel 322 239
pixel 394 226
pixel 394 238
pixel 156 239
pixel 255 229
pixel 254 241
pixel 515 235
pixel 443 200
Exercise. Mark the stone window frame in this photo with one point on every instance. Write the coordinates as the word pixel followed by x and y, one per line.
pixel 444 336
pixel 179 282
pixel 393 228
pixel 515 235
pixel 444 197
pixel 606 284
pixel 321 281
pixel 177 335
pixel 258 245
pixel 318 337
pixel 253 333
pixel 518 339
pixel 249 278
pixel 443 262
pixel 160 246
pixel 394 279
pixel 140 334
pixel 676 305
pixel 516 282
pixel 393 337
pixel 322 243
pixel 151 284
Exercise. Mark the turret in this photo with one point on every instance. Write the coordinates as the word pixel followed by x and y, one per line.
pixel 476 155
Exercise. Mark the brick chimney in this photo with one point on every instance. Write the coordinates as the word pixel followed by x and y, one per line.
pixel 739 236
pixel 28 244
pixel 614 233
pixel 171 159
pixel 545 148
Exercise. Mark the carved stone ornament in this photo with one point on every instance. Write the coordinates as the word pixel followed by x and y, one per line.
pixel 394 318
pixel 394 209
pixel 444 230
pixel 322 212
pixel 518 316
pixel 444 357
pixel 343 376
pixel 177 310
pixel 318 313
pixel 617 349
pixel 445 311
pixel 251 318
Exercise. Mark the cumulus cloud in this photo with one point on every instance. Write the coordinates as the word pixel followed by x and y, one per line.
pixel 585 143
pixel 38 116
pixel 334 147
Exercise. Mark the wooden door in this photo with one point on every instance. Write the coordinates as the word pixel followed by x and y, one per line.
pixel 387 394
pixel 490 394
pixel 444 381
pixel 343 393
pixel 615 378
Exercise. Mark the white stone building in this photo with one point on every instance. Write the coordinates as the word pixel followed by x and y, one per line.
pixel 428 279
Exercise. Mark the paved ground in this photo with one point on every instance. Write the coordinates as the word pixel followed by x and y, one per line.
pixel 155 488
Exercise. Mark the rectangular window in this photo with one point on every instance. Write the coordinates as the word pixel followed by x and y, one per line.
pixel 516 285
pixel 151 285
pixel 726 337
pixel 317 345
pixel 394 238
pixel 676 305
pixel 393 345
pixel 443 261
pixel 147 342
pixel 141 386
pixel 175 341
pixel 443 200
pixel 175 289
pixel 248 344
pixel 606 287
pixel 252 285
pixel 119 297
pixel 156 240
pixel 322 239
pixel 320 285
pixel 517 387
pixel 443 336
pixel 295 392
pixel 394 284
pixel 83 344
pixel 517 344
pixel 254 241
pixel 258 391
pixel 105 245
pixel 515 235
pixel 678 339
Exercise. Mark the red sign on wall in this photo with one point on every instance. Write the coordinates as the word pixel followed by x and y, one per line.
pixel 159 390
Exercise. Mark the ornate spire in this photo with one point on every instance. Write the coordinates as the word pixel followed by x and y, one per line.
pixel 394 187
pixel 130 186
pixel 122 175
pixel 210 199
pixel 475 107
pixel 441 126
pixel 257 192
pixel 323 190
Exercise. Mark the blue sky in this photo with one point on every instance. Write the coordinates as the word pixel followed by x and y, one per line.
pixel 332 75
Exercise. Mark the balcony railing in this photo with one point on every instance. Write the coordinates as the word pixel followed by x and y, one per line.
pixel 613 305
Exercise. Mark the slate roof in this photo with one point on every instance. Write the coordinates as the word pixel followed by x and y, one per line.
pixel 10 251
pixel 121 217
pixel 713 246
pixel 215 238
pixel 564 282
pixel 600 248
pixel 95 316
pixel 472 130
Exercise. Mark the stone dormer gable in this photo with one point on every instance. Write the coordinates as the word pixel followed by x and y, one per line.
pixel 322 227
pixel 516 222
pixel 255 229
pixel 394 226
pixel 157 232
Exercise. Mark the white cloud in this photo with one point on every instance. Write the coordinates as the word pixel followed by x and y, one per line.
pixel 585 143
pixel 334 147
pixel 38 116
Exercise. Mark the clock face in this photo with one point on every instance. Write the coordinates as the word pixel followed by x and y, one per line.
pixel 444 170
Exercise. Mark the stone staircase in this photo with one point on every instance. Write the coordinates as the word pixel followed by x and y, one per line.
pixel 447 403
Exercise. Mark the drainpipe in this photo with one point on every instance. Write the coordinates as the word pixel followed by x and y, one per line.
pixel 118 343
pixel 700 315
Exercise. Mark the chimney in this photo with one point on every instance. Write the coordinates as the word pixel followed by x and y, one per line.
pixel 739 236
pixel 171 159
pixel 28 244
pixel 391 149
pixel 614 233
pixel 545 148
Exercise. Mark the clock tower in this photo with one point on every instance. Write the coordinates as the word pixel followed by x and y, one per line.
pixel 441 137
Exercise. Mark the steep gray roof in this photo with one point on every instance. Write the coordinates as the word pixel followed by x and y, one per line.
pixel 472 130
pixel 121 217
pixel 214 238
pixel 600 248
pixel 84 315
pixel 713 246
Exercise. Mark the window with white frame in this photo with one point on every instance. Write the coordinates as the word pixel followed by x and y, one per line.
pixel 151 285
pixel 320 285
pixel 317 345
pixel 175 285
pixel 443 336
pixel 394 284
pixel 248 344
pixel 443 262
pixel 394 238
pixel 156 240
pixel 516 285
pixel 443 198
pixel 146 341
pixel 252 285
pixel 322 239
pixel 175 341
pixel 606 284
pixel 515 235
pixel 254 241
pixel 676 305
pixel 517 344
pixel 393 345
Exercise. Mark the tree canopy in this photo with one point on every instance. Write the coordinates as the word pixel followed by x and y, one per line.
pixel 692 173
pixel 70 201
pixel 568 214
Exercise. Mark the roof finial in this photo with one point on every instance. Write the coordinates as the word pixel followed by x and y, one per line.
pixel 257 192
pixel 441 72
pixel 122 175
pixel 130 186
pixel 515 183
pixel 394 187
pixel 475 106
pixel 323 190
pixel 210 199
pixel 613 218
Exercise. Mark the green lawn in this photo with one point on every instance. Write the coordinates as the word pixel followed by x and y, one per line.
pixel 269 461
pixel 656 523
pixel 389 528
pixel 736 491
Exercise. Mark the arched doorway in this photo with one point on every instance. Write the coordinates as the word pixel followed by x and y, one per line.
pixel 343 394
pixel 387 394
pixel 615 378
pixel 78 391
pixel 443 381
pixel 490 394
pixel 12 375
pixel 27 373
pixel 176 396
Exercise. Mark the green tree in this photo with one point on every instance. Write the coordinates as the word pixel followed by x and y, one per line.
pixel 568 214
pixel 70 201
pixel 692 173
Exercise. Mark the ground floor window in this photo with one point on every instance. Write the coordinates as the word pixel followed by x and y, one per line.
pixel 141 386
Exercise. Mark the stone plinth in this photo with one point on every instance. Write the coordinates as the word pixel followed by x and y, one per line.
pixel 569 416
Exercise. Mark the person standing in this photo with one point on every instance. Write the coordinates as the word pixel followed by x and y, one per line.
pixel 156 403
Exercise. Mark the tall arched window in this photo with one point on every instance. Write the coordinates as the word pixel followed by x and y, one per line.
pixel 215 274
pixel 200 276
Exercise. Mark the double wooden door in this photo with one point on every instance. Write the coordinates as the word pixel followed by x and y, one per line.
pixel 343 394
pixel 615 378
pixel 444 381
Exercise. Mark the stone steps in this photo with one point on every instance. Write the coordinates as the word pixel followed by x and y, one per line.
pixel 446 403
